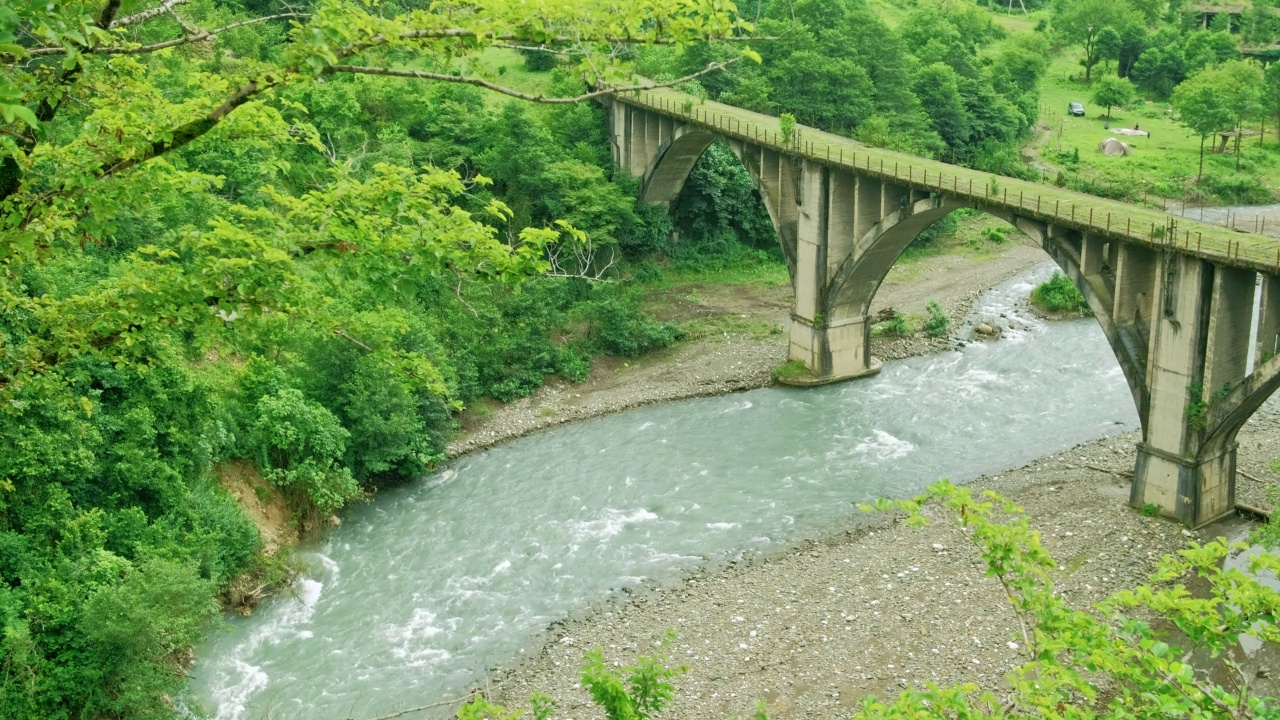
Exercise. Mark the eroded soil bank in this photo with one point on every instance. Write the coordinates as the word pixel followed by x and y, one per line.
pixel 875 608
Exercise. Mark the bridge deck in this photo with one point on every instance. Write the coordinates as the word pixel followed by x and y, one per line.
pixel 1029 199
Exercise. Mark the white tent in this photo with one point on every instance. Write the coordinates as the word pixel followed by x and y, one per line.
pixel 1112 146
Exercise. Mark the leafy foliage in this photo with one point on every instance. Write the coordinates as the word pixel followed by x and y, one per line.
pixel 252 231
pixel 1059 295
pixel 937 321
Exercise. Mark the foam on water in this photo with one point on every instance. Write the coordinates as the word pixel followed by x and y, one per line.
pixel 610 525
pixel 241 680
pixel 882 446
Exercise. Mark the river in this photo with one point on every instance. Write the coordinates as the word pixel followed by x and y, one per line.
pixel 428 585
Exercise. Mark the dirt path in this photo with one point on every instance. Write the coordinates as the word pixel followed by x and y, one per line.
pixel 877 608
pixel 744 354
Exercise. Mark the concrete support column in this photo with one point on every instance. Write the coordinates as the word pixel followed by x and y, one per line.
pixel 1230 323
pixel 634 134
pixel 835 352
pixel 832 348
pixel 1135 284
pixel 1269 319
pixel 1171 472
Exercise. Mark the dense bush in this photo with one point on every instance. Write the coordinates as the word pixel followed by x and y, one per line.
pixel 1235 189
pixel 1059 295
pixel 937 321
pixel 618 327
pixel 300 446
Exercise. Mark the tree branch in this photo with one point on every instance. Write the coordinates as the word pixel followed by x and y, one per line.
pixel 442 703
pixel 144 49
pixel 145 15
pixel 481 82
pixel 184 134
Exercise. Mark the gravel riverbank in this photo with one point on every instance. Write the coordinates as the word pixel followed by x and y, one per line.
pixel 875 607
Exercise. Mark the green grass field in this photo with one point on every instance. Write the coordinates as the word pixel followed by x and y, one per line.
pixel 1163 165
pixel 506 67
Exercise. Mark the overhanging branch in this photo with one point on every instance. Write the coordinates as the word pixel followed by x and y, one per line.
pixel 145 15
pixel 481 82
pixel 144 49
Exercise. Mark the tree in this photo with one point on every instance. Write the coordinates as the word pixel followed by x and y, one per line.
pixel 1202 110
pixel 1133 40
pixel 85 112
pixel 939 92
pixel 1109 44
pixel 1111 91
pixel 1271 91
pixel 1240 84
pixel 1080 22
pixel 1258 24
pixel 183 182
pixel 1159 70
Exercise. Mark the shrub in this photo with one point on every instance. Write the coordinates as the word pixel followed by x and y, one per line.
pixel 995 235
pixel 1237 189
pixel 617 326
pixel 1059 295
pixel 898 325
pixel 1117 659
pixel 300 445
pixel 938 320
pixel 539 60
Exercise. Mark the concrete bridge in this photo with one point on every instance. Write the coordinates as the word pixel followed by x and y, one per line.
pixel 1191 310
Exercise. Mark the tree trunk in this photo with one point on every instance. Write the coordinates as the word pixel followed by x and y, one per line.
pixel 1239 133
pixel 1200 172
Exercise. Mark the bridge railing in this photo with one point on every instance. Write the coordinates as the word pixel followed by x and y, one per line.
pixel 1048 203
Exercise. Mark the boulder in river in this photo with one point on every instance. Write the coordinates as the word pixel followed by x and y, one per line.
pixel 987 331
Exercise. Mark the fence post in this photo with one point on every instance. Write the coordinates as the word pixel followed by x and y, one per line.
pixel 1109 223
pixel 1037 202
pixel 1056 203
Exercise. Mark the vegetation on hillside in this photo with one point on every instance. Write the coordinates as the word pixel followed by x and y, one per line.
pixel 294 235
pixel 306 235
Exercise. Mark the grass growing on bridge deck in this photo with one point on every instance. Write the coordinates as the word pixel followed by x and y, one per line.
pixel 1029 199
